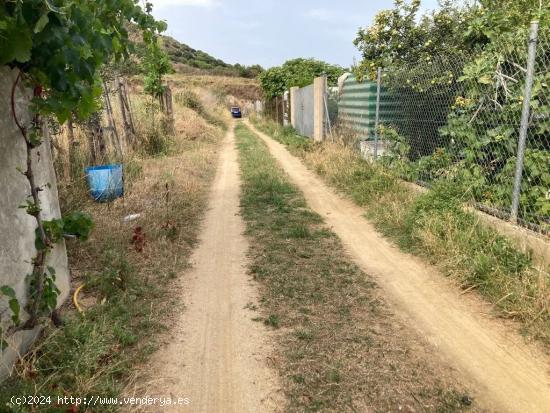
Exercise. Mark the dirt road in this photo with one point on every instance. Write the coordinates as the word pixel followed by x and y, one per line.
pixel 217 355
pixel 509 376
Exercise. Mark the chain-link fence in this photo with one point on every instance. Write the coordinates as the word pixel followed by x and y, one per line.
pixel 469 118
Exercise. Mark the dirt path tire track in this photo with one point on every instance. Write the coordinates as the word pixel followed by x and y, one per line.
pixel 509 376
pixel 217 355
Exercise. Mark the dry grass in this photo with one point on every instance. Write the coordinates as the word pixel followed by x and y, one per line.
pixel 242 88
pixel 435 226
pixel 128 296
pixel 340 347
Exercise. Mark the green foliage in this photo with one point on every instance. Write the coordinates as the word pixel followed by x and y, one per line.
pixel 404 36
pixel 13 303
pixel 492 18
pixel 535 187
pixel 272 321
pixel 297 72
pixel 301 72
pixel 484 120
pixel 50 292
pixel 155 65
pixel 31 207
pixel 401 35
pixel 397 154
pixel 77 224
pixel 250 72
pixel 116 273
pixel 158 142
pixel 53 230
pixel 61 45
pixel 273 82
pixel 46 294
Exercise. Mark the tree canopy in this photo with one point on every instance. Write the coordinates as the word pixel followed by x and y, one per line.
pixel 297 72
pixel 403 36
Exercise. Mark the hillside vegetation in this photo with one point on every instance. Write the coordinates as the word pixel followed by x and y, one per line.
pixel 189 60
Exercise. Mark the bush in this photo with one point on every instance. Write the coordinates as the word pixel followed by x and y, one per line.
pixel 189 99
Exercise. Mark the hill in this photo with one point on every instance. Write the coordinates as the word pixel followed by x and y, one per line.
pixel 189 60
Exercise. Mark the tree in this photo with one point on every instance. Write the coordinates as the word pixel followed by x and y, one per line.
pixel 401 36
pixel 297 72
pixel 273 82
pixel 301 72
pixel 155 65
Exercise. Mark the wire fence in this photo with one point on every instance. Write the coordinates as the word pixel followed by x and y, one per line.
pixel 482 120
pixel 276 109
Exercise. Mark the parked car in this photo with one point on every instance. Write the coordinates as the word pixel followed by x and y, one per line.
pixel 236 112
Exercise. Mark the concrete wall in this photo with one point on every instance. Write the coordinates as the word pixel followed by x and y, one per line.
pixel 16 226
pixel 307 109
pixel 302 110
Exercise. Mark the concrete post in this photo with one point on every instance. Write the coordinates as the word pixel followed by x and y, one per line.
pixel 319 91
pixel 293 106
pixel 532 55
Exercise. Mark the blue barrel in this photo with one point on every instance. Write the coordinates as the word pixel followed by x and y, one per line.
pixel 105 182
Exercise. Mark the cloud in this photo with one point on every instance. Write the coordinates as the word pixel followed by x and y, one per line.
pixel 189 3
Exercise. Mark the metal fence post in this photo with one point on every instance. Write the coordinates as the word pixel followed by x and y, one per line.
pixel 377 114
pixel 524 119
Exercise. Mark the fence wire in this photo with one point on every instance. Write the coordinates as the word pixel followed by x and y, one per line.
pixel 458 117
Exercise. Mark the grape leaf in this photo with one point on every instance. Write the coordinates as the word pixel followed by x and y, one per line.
pixel 41 23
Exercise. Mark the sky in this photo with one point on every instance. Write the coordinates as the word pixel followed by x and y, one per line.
pixel 269 32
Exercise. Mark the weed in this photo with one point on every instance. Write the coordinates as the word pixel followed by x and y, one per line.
pixel 157 141
pixel 299 231
pixel 272 320
pixel 190 100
